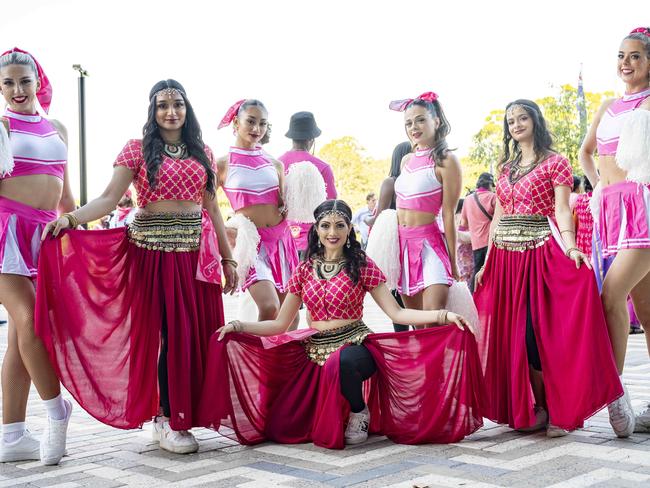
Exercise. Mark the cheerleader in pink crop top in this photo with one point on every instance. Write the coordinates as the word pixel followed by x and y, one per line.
pixel 253 181
pixel 624 221
pixel 33 188
pixel 302 386
pixel 427 188
pixel 137 304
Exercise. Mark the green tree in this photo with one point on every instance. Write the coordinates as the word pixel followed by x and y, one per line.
pixel 485 150
pixel 355 173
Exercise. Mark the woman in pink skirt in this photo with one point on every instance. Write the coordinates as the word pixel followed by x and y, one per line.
pixel 424 385
pixel 253 182
pixel 34 185
pixel 126 313
pixel 429 183
pixel 624 223
pixel 543 339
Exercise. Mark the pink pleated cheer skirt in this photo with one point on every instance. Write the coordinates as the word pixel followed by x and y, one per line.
pixel 625 217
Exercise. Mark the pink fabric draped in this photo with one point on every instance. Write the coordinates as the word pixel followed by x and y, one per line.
pixel 100 305
pixel 428 388
pixel 580 375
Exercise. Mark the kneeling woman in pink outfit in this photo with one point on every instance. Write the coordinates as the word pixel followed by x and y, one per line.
pixel 302 386
pixel 544 345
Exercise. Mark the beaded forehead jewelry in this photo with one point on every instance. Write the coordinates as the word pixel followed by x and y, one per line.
pixel 170 92
pixel 333 211
pixel 512 108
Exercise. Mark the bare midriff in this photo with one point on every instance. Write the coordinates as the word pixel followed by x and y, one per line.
pixel 42 192
pixel 414 218
pixel 262 215
pixel 172 206
pixel 610 173
pixel 324 325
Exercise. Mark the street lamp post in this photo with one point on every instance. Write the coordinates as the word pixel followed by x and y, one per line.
pixel 83 175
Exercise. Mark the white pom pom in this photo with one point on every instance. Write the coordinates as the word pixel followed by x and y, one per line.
pixel 245 252
pixel 594 202
pixel 304 190
pixel 460 301
pixel 383 246
pixel 6 157
pixel 633 152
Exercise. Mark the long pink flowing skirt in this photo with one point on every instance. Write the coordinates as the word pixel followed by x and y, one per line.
pixel 428 388
pixel 99 309
pixel 580 375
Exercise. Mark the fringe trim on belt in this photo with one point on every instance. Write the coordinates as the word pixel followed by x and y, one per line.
pixel 521 232
pixel 168 232
pixel 321 345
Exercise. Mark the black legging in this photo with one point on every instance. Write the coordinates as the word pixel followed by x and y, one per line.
pixel 531 344
pixel 357 366
pixel 163 381
pixel 400 302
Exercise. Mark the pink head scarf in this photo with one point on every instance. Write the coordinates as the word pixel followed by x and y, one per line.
pixel 230 114
pixel 400 105
pixel 44 93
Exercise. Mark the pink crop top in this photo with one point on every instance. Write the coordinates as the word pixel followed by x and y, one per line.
pixel 611 123
pixel 417 187
pixel 337 298
pixel 178 179
pixel 252 179
pixel 534 193
pixel 36 146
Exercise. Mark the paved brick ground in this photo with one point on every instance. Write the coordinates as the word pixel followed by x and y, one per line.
pixel 102 457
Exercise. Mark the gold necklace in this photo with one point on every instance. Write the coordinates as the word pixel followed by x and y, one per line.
pixel 328 269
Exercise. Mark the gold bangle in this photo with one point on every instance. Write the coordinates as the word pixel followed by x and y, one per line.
pixel 229 260
pixel 72 220
pixel 567 230
pixel 236 325
pixel 568 252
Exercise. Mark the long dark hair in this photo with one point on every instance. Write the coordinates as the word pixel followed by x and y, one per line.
pixel 354 255
pixel 440 147
pixel 153 144
pixel 542 139
pixel 401 150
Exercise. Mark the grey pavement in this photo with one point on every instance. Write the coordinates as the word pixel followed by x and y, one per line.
pixel 496 456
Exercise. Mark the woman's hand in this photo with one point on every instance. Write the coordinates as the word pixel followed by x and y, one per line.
pixel 578 257
pixel 232 326
pixel 230 273
pixel 460 321
pixel 55 227
pixel 478 278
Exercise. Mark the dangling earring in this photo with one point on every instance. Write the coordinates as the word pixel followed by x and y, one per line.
pixel 320 244
pixel 347 244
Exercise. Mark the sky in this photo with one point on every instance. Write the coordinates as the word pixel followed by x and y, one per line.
pixel 343 60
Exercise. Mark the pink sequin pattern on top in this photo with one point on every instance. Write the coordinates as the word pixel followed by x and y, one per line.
pixel 534 193
pixel 417 187
pixel 337 298
pixel 177 179
pixel 585 223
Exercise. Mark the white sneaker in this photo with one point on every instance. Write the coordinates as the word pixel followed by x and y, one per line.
pixel 357 429
pixel 541 420
pixel 642 421
pixel 53 440
pixel 555 431
pixel 621 415
pixel 27 448
pixel 176 441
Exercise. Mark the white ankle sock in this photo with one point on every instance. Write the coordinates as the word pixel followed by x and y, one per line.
pixel 12 432
pixel 55 407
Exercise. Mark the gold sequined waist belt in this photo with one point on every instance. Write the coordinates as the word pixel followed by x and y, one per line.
pixel 169 232
pixel 321 345
pixel 521 232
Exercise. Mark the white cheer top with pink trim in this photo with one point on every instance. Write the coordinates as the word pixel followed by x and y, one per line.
pixel 417 187
pixel 36 146
pixel 252 179
pixel 611 124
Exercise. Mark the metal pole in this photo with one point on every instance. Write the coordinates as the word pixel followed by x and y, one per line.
pixel 83 174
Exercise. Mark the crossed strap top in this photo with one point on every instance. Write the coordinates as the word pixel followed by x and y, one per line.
pixel 252 179
pixel 612 121
pixel 177 179
pixel 417 187
pixel 36 146
pixel 335 298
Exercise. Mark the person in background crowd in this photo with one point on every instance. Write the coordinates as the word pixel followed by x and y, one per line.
pixel 359 219
pixel 303 132
pixel 576 189
pixel 464 248
pixel 476 216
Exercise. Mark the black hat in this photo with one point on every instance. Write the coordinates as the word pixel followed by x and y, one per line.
pixel 302 127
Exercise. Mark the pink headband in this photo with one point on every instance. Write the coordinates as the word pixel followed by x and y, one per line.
pixel 44 94
pixel 641 30
pixel 230 114
pixel 400 105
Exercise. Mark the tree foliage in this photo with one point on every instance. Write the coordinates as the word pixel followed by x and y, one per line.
pixel 562 118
